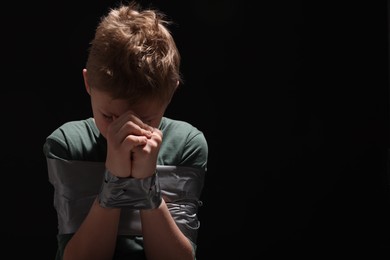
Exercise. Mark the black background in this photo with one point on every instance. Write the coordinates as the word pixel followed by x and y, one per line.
pixel 291 95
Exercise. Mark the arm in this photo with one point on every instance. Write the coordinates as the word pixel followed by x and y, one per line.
pixel 96 237
pixel 162 238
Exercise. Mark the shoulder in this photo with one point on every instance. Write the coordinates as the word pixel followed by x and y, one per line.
pixel 177 129
pixel 70 138
pixel 174 124
pixel 74 131
pixel 188 141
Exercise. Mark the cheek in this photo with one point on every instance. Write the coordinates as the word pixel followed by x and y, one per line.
pixel 154 123
pixel 102 126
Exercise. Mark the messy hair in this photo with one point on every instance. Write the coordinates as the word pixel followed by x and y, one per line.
pixel 133 55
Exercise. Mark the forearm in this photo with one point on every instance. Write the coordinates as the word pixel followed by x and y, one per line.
pixel 162 238
pixel 96 237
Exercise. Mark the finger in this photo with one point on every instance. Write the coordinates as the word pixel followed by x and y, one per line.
pixel 133 117
pixel 131 141
pixel 157 133
pixel 131 128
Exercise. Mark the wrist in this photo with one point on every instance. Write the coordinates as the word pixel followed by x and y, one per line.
pixel 119 192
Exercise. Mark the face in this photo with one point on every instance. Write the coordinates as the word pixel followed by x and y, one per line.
pixel 106 109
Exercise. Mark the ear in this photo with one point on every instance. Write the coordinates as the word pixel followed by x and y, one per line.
pixel 87 88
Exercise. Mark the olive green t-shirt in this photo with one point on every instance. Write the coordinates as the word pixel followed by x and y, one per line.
pixel 182 145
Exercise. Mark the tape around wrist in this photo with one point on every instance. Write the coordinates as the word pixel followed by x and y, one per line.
pixel 130 193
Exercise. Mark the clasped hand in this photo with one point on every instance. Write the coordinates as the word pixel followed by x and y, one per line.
pixel 132 147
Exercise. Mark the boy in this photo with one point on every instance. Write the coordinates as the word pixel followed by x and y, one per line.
pixel 127 181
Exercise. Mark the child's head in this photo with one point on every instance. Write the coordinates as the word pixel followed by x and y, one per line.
pixel 133 56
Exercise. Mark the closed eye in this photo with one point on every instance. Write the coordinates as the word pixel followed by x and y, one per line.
pixel 107 117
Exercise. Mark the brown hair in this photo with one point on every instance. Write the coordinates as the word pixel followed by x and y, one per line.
pixel 133 55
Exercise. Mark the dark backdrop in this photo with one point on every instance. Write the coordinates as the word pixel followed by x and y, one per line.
pixel 292 97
